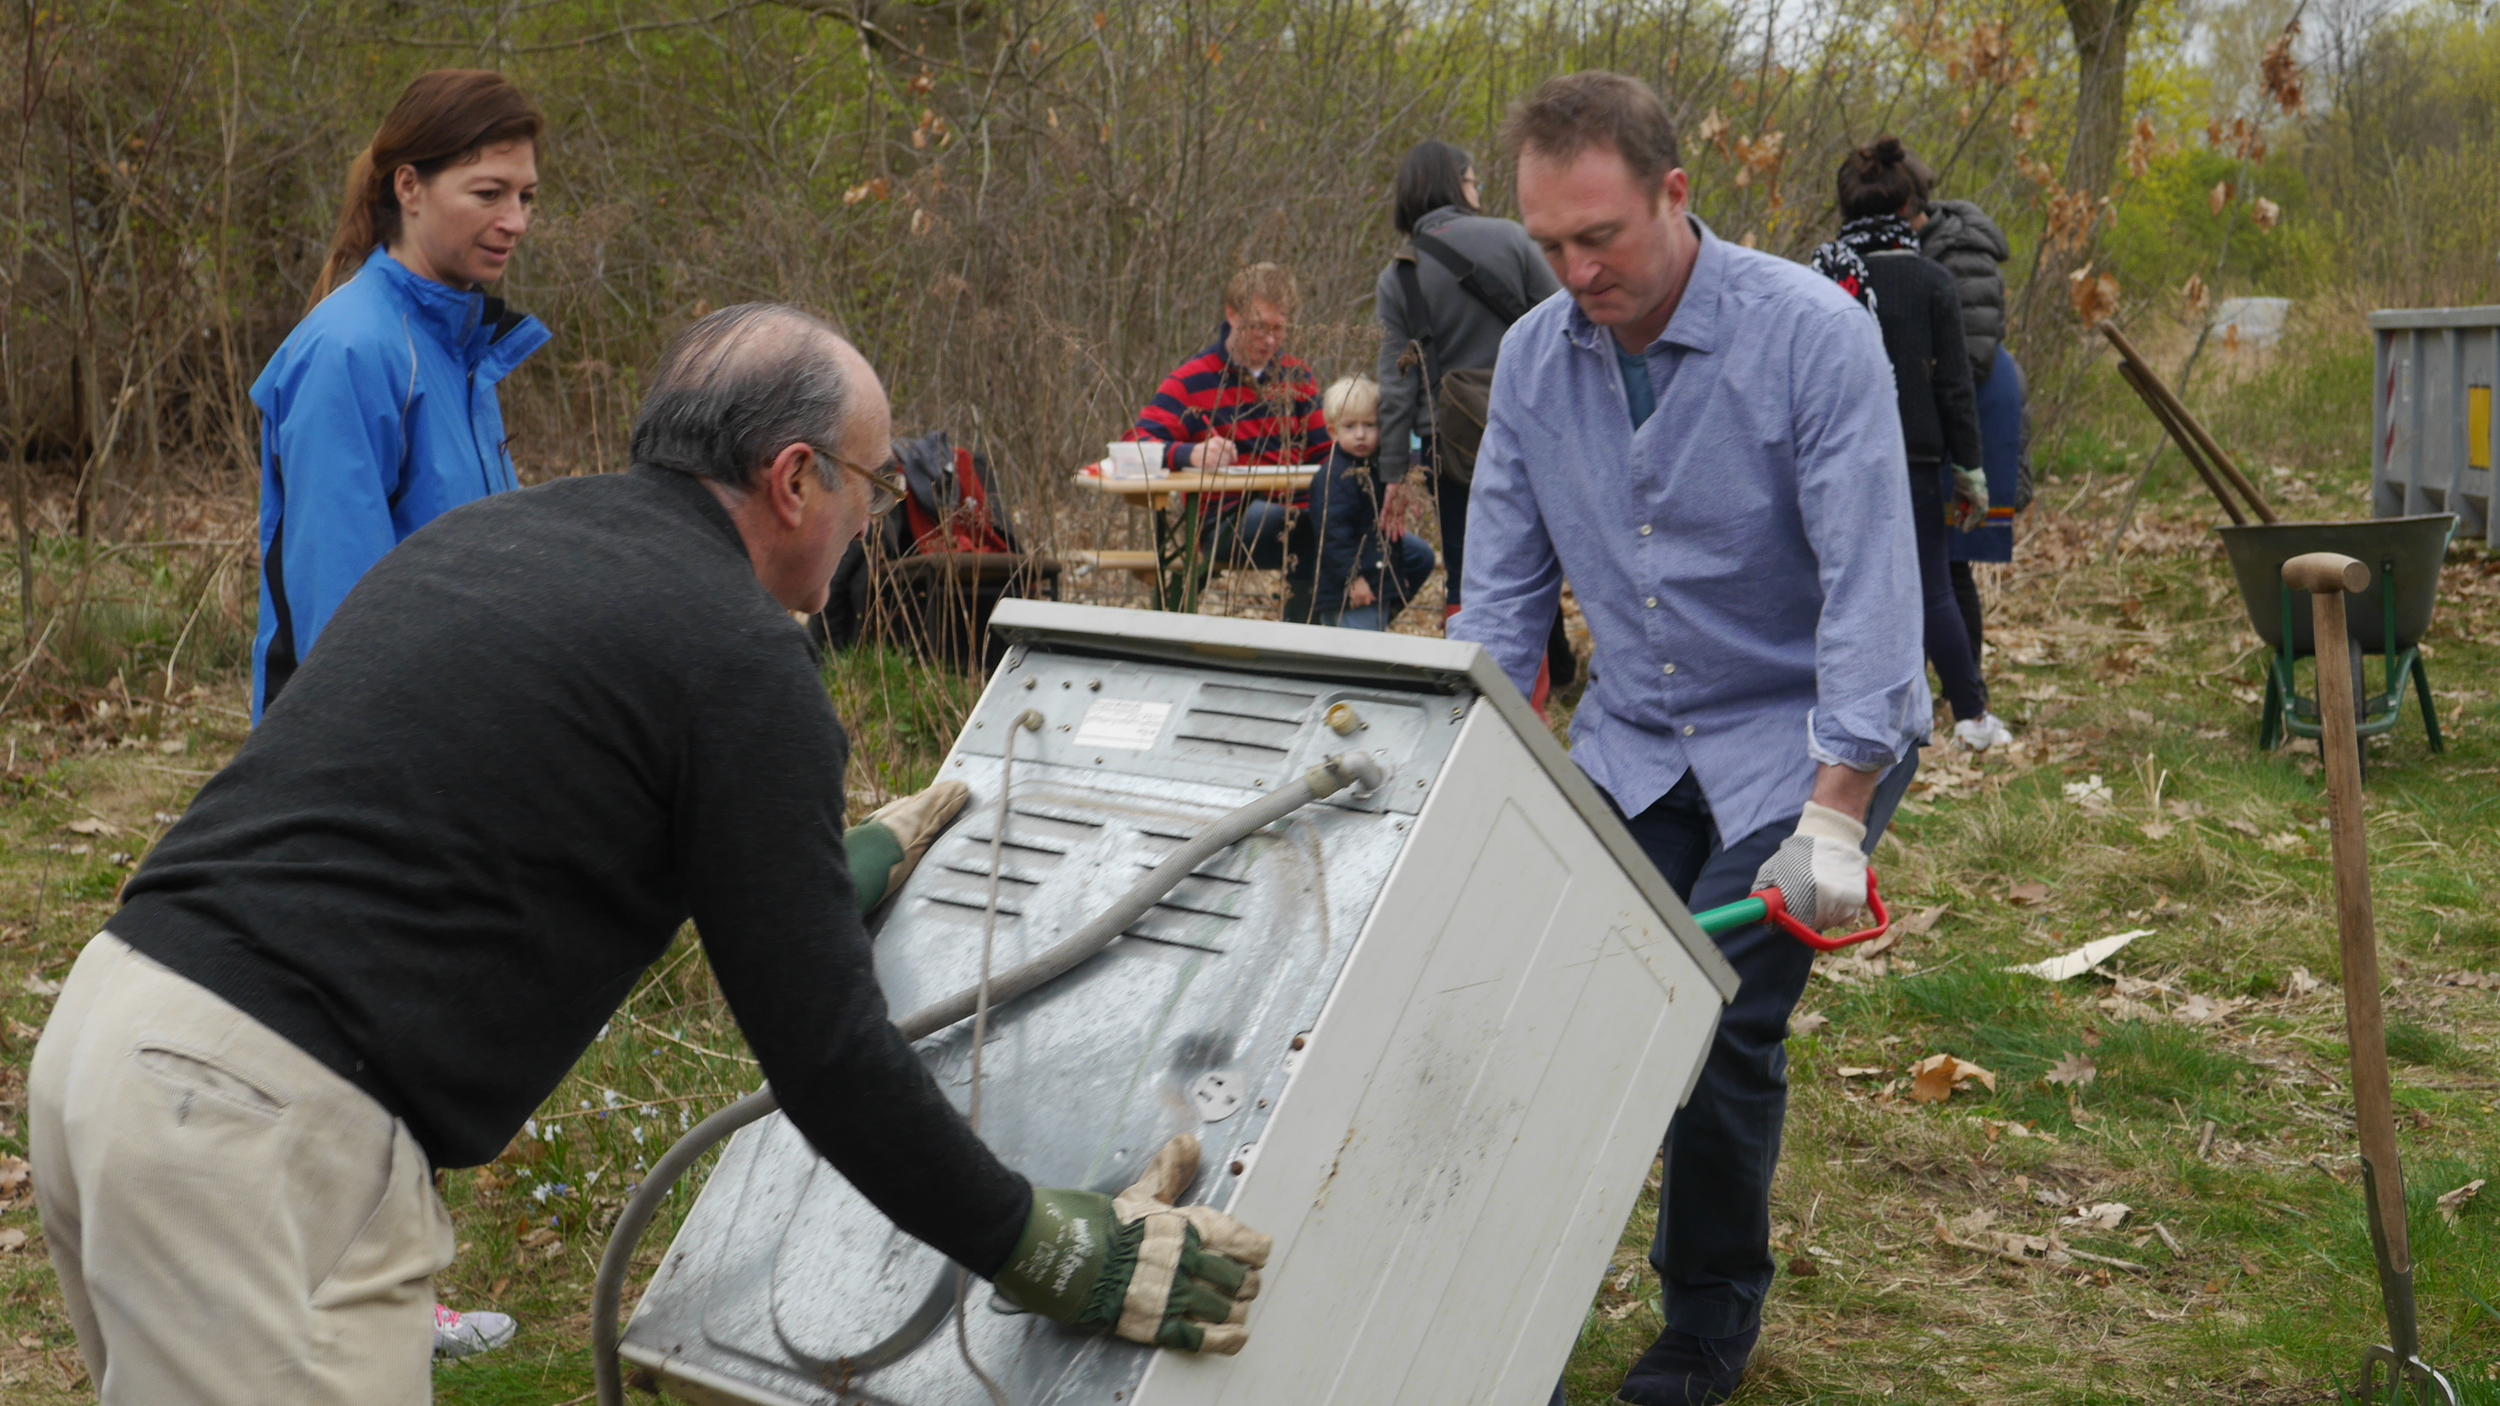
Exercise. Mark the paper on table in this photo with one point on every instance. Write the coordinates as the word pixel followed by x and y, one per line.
pixel 2082 959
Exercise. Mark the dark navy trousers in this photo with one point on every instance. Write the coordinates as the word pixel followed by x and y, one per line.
pixel 1713 1248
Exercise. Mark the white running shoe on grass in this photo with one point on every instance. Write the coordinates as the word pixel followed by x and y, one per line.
pixel 468 1334
pixel 1983 732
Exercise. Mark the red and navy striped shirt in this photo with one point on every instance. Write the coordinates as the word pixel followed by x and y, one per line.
pixel 1271 416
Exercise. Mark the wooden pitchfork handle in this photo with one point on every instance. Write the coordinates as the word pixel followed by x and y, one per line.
pixel 2179 436
pixel 2174 416
pixel 2327 576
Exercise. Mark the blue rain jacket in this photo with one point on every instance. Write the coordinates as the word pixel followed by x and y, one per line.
pixel 378 415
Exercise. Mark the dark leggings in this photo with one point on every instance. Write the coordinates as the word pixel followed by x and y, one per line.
pixel 1449 499
pixel 1966 595
pixel 1948 638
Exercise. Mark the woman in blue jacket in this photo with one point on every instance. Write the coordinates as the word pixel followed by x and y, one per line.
pixel 378 413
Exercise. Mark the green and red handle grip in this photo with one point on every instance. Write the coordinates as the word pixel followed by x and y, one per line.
pixel 1768 906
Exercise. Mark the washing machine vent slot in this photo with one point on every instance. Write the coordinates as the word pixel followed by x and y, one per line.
pixel 1253 727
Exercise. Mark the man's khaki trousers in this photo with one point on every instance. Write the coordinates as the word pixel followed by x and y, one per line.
pixel 232 1222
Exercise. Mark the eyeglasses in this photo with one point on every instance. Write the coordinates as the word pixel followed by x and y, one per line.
pixel 886 488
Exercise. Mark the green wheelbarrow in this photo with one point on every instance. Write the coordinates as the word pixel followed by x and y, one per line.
pixel 2389 619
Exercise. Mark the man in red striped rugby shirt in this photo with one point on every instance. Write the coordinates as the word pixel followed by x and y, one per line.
pixel 1244 402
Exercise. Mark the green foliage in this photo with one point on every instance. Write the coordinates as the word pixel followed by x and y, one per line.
pixel 2167 229
pixel 2414 1043
pixel 2475 939
pixel 2307 412
pixel 97 884
pixel 2147 1065
pixel 129 638
pixel 2408 158
pixel 901 714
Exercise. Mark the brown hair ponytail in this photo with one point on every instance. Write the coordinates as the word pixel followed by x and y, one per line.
pixel 444 118
pixel 1881 177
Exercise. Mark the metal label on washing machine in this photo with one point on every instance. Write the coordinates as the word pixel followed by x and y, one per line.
pixel 1129 724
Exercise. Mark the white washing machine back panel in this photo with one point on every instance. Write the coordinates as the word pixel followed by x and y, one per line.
pixel 1429 1038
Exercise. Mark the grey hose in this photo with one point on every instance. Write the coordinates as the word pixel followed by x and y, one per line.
pixel 608 1292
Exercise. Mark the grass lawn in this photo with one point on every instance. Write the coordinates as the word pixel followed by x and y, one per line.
pixel 1955 1251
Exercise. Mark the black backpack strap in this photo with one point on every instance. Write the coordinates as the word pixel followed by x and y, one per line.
pixel 1418 313
pixel 1497 297
pixel 1418 332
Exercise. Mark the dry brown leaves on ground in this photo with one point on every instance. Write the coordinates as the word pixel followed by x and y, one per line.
pixel 2136 999
pixel 1933 1079
pixel 2075 1070
pixel 2451 1204
pixel 1971 1232
pixel 17 1184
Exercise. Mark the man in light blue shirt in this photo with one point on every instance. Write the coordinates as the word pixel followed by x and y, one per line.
pixel 1705 440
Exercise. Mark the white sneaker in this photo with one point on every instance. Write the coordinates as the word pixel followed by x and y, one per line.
pixel 1983 732
pixel 467 1334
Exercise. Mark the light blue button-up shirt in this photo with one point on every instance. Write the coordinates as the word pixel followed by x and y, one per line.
pixel 1745 560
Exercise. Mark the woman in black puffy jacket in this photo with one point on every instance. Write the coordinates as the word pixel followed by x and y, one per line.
pixel 1960 236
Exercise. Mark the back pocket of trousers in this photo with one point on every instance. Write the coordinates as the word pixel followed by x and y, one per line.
pixel 194 1077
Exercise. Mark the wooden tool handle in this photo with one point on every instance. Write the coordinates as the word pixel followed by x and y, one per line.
pixel 2326 573
pixel 2329 575
pixel 2188 449
pixel 2175 409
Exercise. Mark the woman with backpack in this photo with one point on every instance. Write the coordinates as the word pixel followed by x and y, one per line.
pixel 378 413
pixel 1445 300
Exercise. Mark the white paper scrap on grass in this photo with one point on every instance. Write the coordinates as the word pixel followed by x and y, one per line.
pixel 1127 724
pixel 2082 959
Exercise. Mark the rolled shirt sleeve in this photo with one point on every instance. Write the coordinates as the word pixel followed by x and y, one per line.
pixel 1853 491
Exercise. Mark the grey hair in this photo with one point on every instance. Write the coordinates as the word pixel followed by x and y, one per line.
pixel 737 388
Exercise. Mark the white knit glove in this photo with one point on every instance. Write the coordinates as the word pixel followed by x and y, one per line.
pixel 1820 870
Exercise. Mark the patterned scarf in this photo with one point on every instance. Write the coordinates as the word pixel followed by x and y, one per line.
pixel 1843 260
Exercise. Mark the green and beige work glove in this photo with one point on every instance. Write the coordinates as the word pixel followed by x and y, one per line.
pixel 885 847
pixel 1820 870
pixel 1969 511
pixel 1152 1272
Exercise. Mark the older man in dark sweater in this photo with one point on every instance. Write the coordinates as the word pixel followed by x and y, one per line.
pixel 538 737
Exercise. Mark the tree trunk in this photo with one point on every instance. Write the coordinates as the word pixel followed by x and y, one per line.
pixel 2100 30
